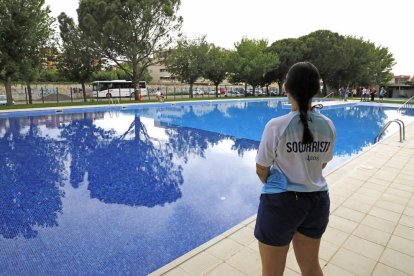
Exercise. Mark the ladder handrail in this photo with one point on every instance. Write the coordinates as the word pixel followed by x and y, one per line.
pixel 328 95
pixel 113 101
pixel 401 126
pixel 405 105
pixel 381 132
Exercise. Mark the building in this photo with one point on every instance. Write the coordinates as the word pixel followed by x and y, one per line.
pixel 161 75
pixel 401 86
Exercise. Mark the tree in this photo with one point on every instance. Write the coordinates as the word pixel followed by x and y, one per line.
pixel 115 73
pixel 380 65
pixel 324 49
pixel 79 58
pixel 50 75
pixel 41 49
pixel 251 61
pixel 362 63
pixel 25 27
pixel 355 62
pixel 216 66
pixel 132 32
pixel 29 72
pixel 289 51
pixel 187 60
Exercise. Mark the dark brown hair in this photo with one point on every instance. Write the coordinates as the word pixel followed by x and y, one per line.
pixel 302 83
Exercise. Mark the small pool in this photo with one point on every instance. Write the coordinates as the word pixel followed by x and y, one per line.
pixel 125 191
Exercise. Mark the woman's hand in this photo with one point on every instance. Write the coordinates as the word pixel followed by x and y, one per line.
pixel 262 172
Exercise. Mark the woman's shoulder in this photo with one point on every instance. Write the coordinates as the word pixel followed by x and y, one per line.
pixel 321 116
pixel 279 124
pixel 277 121
pixel 323 122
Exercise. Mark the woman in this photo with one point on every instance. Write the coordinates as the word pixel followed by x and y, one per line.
pixel 294 204
pixel 159 95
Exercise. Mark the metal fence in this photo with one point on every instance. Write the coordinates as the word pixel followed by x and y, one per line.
pixel 68 93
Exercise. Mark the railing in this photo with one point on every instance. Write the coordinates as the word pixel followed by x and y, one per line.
pixel 328 95
pixel 400 124
pixel 114 101
pixel 408 104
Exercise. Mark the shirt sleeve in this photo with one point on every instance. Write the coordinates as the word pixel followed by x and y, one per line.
pixel 267 148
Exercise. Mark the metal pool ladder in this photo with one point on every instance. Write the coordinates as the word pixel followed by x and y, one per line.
pixel 113 110
pixel 408 104
pixel 400 124
pixel 114 101
pixel 327 96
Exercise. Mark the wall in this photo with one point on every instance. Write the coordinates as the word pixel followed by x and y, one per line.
pixel 49 91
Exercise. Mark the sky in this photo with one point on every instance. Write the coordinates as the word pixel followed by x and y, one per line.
pixel 224 22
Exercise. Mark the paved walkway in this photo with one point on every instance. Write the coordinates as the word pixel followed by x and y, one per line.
pixel 371 228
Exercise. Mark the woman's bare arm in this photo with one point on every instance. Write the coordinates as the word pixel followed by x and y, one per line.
pixel 262 172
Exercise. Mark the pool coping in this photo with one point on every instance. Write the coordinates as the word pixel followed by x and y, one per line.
pixel 183 258
pixel 44 111
pixel 39 111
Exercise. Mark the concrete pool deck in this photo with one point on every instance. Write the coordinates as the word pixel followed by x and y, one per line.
pixel 371 228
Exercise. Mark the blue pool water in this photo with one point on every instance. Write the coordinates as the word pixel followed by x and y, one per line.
pixel 127 191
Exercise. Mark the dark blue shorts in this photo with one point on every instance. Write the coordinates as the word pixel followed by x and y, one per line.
pixel 281 215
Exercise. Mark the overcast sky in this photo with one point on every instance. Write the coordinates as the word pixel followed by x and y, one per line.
pixel 386 23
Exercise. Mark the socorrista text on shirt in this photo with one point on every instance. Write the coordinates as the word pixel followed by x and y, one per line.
pixel 317 146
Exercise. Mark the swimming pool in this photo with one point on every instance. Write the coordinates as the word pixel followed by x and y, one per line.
pixel 126 191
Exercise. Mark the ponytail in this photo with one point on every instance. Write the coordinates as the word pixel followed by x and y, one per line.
pixel 302 83
pixel 307 137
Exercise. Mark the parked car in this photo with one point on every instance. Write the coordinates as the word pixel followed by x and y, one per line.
pixel 274 92
pixel 241 91
pixel 229 93
pixel 198 91
pixel 238 92
pixel 234 93
pixel 259 92
pixel 3 100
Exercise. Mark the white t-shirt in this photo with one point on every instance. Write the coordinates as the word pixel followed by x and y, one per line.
pixel 296 166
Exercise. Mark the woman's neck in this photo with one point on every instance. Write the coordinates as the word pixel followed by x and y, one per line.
pixel 295 105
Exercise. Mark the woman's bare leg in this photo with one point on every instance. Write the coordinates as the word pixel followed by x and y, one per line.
pixel 307 254
pixel 273 259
